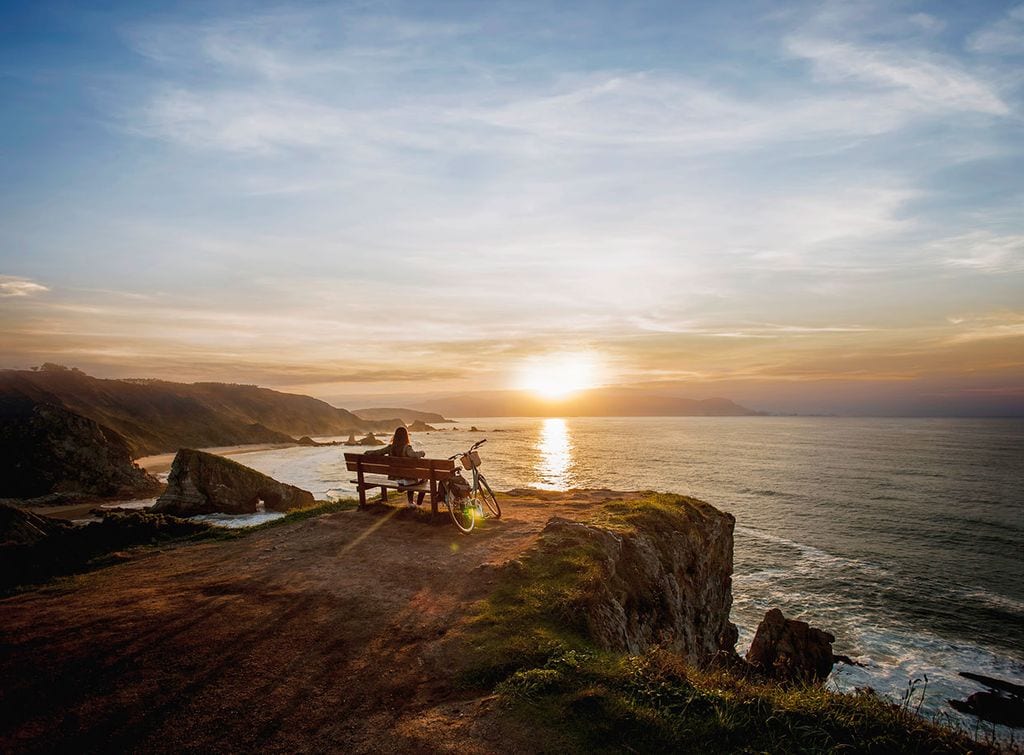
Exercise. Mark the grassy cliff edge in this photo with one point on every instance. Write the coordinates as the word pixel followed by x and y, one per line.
pixel 529 644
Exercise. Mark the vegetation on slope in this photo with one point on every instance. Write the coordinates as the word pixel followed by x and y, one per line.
pixel 526 643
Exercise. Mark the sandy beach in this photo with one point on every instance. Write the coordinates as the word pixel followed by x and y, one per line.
pixel 161 463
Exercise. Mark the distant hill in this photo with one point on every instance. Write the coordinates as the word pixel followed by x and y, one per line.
pixel 599 402
pixel 156 416
pixel 408 416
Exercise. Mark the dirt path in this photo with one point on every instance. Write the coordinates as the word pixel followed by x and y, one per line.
pixel 315 636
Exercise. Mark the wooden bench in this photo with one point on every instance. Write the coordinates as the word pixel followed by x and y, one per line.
pixel 373 472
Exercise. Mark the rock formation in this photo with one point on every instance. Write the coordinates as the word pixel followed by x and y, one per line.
pixel 23 528
pixel 203 483
pixel 667 585
pixel 34 547
pixel 791 650
pixel 419 426
pixel 369 440
pixel 47 449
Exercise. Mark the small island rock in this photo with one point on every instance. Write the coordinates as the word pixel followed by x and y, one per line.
pixel 203 483
pixel 791 650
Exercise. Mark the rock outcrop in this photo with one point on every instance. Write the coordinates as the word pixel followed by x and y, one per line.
pixel 203 483
pixel 368 440
pixel 791 650
pixel 666 583
pixel 23 528
pixel 46 449
pixel 34 547
pixel 419 426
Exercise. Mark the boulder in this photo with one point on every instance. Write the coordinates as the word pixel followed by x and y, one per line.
pixel 668 585
pixel 791 650
pixel 994 707
pixel 46 449
pixel 203 483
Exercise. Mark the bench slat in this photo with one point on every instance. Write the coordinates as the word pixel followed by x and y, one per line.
pixel 400 466
pixel 377 481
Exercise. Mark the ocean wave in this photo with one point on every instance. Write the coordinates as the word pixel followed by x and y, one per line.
pixel 817 557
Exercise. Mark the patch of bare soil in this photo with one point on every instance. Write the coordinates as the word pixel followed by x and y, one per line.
pixel 320 635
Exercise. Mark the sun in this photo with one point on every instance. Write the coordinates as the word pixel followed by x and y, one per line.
pixel 556 376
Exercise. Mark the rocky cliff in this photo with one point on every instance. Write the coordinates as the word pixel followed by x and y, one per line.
pixel 202 483
pixel 629 576
pixel 666 581
pixel 47 449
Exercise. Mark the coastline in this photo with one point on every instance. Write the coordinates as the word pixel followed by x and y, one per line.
pixel 160 463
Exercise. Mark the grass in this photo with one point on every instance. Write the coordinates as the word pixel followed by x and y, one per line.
pixel 527 643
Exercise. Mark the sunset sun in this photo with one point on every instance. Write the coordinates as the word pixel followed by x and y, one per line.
pixel 556 376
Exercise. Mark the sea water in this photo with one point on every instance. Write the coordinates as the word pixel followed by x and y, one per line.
pixel 902 537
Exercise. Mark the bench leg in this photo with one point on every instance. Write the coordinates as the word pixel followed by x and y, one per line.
pixel 383 495
pixel 362 497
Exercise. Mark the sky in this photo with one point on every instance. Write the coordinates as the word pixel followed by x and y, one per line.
pixel 808 207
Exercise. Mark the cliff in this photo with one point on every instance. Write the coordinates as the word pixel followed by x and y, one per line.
pixel 47 449
pixel 629 576
pixel 407 416
pixel 155 416
pixel 378 630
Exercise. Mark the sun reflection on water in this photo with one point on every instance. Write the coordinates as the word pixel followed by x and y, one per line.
pixel 555 448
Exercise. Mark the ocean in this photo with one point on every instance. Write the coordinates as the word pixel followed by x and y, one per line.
pixel 902 537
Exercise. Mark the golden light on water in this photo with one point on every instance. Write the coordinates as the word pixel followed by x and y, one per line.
pixel 555 376
pixel 555 448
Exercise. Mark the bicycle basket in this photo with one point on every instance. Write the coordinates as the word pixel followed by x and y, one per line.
pixel 470 460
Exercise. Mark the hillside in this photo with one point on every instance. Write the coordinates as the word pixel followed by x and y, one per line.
pixel 155 416
pixel 408 416
pixel 598 402
pixel 369 632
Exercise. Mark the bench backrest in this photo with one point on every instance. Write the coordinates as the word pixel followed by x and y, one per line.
pixel 401 466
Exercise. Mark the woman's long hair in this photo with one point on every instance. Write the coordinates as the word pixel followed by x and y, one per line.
pixel 399 440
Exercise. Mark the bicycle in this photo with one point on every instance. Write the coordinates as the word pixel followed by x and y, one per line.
pixel 466 509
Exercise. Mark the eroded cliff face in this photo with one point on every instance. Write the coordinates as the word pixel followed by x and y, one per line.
pixel 203 483
pixel 47 449
pixel 665 578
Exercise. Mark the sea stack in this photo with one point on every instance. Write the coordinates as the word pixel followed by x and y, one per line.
pixel 204 483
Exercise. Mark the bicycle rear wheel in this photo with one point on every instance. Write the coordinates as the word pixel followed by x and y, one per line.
pixel 461 511
pixel 489 499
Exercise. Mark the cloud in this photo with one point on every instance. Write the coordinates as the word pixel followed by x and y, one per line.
pixel 929 80
pixel 11 285
pixel 983 252
pixel 1004 37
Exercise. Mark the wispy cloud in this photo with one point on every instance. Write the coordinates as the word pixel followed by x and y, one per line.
pixel 1003 37
pixel 11 286
pixel 924 80
pixel 983 252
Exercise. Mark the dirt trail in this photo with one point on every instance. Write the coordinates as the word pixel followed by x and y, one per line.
pixel 319 635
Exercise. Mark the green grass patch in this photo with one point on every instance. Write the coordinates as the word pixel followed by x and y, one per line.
pixel 527 643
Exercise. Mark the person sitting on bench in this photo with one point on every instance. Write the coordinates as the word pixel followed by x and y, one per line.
pixel 400 446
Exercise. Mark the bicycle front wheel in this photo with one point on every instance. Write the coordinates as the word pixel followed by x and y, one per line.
pixel 461 510
pixel 490 501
